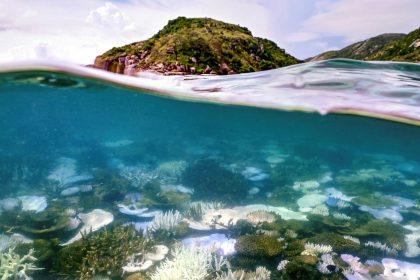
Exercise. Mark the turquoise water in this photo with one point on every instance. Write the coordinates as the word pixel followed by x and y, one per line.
pixel 266 178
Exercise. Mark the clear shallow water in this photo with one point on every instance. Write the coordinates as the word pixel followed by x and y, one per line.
pixel 75 144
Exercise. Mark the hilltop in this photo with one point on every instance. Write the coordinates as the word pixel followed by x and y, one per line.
pixel 197 46
pixel 390 46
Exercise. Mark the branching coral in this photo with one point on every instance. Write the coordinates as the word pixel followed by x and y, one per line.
pixel 312 249
pixel 13 266
pixel 186 263
pixel 167 221
pixel 102 252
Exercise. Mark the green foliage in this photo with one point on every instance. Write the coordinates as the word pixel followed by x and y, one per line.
pixel 202 42
pixel 100 253
pixel 395 47
pixel 401 50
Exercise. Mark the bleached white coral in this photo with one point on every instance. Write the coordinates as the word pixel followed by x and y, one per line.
pixel 326 260
pixel 5 242
pixel 341 216
pixel 282 265
pixel 166 221
pixel 138 175
pixel 195 210
pixel 260 216
pixel 383 247
pixel 321 210
pixel 186 263
pixel 351 238
pixel 260 273
pixel 312 249
pixel 170 172
pixel 13 266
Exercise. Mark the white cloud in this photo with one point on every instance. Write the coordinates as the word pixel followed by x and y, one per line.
pixel 108 17
pixel 357 20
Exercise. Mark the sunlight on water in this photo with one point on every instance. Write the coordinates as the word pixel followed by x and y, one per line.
pixel 103 181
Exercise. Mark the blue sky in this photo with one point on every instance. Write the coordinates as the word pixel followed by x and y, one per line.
pixel 78 30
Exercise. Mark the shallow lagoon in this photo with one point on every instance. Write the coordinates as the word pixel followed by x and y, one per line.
pixel 107 182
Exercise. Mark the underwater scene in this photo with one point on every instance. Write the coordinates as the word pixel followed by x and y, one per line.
pixel 102 180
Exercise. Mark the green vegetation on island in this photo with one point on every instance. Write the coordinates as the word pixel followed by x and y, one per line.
pixel 197 46
pixel 386 47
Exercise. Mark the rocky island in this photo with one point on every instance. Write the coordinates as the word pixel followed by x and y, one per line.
pixel 196 46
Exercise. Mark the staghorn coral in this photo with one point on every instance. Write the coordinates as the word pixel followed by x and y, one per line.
pixel 196 210
pixel 167 221
pixel 341 216
pixel 186 263
pixel 260 273
pixel 282 265
pixel 312 249
pixel 351 238
pixel 138 176
pixel 99 253
pixel 13 266
pixel 382 247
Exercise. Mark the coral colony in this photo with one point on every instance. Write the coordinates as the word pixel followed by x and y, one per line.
pixel 210 219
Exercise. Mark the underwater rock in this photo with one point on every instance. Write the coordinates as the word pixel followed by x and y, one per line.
pixel 254 174
pixel 380 214
pixel 9 204
pixel 216 242
pixel 92 221
pixel 33 203
pixel 310 201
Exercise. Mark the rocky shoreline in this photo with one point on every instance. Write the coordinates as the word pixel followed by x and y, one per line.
pixel 129 65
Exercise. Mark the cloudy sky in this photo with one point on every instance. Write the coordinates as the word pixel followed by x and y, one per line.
pixel 78 30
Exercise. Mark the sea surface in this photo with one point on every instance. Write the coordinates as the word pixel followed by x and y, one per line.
pixel 306 172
